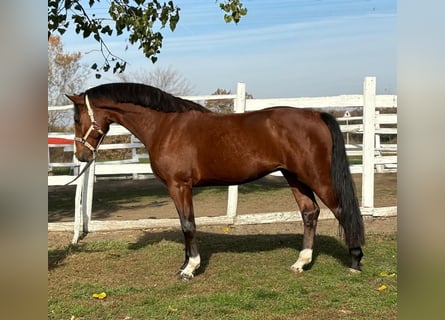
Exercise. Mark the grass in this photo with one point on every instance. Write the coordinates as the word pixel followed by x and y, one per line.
pixel 355 160
pixel 241 277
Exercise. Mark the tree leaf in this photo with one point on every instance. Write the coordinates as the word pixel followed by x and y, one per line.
pixel 138 18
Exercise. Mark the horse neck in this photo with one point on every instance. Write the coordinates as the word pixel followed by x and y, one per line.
pixel 141 122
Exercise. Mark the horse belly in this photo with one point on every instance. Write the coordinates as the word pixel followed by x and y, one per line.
pixel 235 166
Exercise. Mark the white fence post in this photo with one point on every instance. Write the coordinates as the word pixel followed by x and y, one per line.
pixel 87 198
pixel 134 155
pixel 83 202
pixel 240 101
pixel 369 97
pixel 78 211
pixel 239 107
pixel 379 167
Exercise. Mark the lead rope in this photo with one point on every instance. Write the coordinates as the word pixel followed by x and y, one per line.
pixel 81 172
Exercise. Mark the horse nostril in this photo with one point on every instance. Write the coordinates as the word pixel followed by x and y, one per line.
pixel 83 156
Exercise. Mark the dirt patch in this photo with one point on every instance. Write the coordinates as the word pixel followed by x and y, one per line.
pixel 145 199
pixel 149 199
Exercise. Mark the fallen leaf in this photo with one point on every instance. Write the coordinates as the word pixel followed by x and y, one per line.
pixel 382 287
pixel 226 230
pixel 345 311
pixel 100 296
pixel 386 274
pixel 170 308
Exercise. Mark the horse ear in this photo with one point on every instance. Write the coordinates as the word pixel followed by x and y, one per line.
pixel 75 98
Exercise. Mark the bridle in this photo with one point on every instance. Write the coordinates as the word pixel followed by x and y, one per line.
pixel 93 126
pixel 83 140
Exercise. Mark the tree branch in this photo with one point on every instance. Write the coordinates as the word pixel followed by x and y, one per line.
pixel 136 17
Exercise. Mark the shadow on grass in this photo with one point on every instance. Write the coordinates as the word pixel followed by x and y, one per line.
pixel 57 256
pixel 212 243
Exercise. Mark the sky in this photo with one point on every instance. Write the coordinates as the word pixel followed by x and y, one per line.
pixel 280 49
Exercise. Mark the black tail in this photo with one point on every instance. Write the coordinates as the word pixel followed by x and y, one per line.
pixel 349 214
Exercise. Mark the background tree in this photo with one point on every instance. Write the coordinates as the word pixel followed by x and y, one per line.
pixel 167 79
pixel 223 105
pixel 141 20
pixel 65 74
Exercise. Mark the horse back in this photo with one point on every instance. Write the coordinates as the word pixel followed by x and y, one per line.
pixel 226 149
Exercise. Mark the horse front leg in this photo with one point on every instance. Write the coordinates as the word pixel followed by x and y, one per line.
pixel 310 219
pixel 182 197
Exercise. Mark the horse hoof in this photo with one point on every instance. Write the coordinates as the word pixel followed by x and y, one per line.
pixel 355 271
pixel 185 277
pixel 296 269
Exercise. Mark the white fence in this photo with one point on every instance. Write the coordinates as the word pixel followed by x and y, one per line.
pixel 376 157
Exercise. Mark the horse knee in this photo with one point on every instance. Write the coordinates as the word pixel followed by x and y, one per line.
pixel 310 217
pixel 188 227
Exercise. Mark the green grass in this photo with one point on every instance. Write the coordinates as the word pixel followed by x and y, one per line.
pixel 241 277
pixel 355 160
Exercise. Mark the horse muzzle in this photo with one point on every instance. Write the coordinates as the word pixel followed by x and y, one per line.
pixel 84 155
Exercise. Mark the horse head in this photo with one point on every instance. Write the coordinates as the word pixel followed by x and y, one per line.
pixel 90 127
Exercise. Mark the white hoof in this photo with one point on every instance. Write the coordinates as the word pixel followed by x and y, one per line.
pixel 192 265
pixel 296 268
pixel 304 258
pixel 185 276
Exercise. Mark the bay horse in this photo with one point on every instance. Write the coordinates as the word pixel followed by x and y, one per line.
pixel 190 146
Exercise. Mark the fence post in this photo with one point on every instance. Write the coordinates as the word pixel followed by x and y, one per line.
pixel 369 96
pixel 83 202
pixel 78 214
pixel 87 195
pixel 379 167
pixel 240 101
pixel 239 107
pixel 134 155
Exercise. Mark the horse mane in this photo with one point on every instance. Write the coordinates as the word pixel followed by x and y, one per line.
pixel 145 96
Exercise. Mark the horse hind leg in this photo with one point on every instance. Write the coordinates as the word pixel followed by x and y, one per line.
pixel 309 211
pixel 344 217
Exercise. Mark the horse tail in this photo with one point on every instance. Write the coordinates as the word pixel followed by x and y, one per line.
pixel 348 213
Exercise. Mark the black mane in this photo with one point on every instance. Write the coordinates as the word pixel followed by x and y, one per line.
pixel 145 96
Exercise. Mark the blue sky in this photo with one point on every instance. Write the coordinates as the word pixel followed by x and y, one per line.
pixel 280 49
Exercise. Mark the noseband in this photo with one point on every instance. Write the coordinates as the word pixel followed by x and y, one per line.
pixel 93 126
